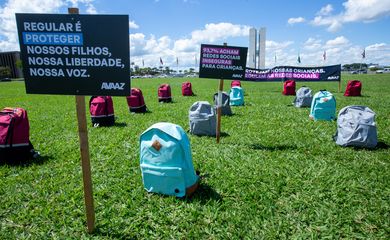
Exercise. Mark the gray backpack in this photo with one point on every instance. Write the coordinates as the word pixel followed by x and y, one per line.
pixel 226 110
pixel 202 119
pixel 356 127
pixel 303 97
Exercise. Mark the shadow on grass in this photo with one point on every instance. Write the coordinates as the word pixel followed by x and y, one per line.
pixel 120 124
pixel 204 194
pixel 99 232
pixel 222 134
pixel 26 163
pixel 382 145
pixel 257 146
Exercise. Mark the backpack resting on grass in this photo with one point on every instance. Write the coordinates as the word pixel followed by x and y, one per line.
pixel 166 161
pixel 186 89
pixel 236 96
pixel 136 101
pixel 354 88
pixel 225 109
pixel 323 106
pixel 202 119
pixel 15 145
pixel 303 97
pixel 356 127
pixel 101 109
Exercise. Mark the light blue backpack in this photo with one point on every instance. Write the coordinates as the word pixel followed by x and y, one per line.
pixel 166 160
pixel 323 106
pixel 236 96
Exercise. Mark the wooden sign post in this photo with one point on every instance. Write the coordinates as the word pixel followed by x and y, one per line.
pixel 340 85
pixel 84 151
pixel 219 107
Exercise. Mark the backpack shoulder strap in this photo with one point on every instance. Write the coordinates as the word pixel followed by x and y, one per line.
pixel 10 132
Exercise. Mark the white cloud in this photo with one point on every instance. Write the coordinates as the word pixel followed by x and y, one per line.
pixel 338 41
pixel 354 11
pixel 312 44
pixel 133 25
pixel 89 7
pixel 364 10
pixel 277 46
pixel 292 21
pixel 378 47
pixel 325 10
pixel 219 31
pixel 151 49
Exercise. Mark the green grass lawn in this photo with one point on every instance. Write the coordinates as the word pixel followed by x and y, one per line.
pixel 275 175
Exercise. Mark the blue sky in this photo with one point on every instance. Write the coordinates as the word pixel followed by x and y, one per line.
pixel 174 29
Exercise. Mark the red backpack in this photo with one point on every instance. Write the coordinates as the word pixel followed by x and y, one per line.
pixel 289 87
pixel 102 111
pixel 235 83
pixel 186 89
pixel 354 88
pixel 15 142
pixel 164 93
pixel 136 101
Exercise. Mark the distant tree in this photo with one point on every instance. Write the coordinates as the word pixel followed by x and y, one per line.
pixel 19 64
pixel 355 66
pixel 5 71
pixel 192 70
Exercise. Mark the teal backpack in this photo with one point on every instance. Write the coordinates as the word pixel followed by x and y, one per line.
pixel 236 96
pixel 166 161
pixel 323 106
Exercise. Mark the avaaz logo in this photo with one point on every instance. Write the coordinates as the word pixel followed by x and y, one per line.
pixel 112 86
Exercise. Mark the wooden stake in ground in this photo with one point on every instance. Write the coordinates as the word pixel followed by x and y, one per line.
pixel 219 107
pixel 340 85
pixel 84 151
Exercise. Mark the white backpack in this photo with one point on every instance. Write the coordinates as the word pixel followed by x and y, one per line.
pixel 356 127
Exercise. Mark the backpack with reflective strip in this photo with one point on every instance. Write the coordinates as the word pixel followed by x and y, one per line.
pixel 15 142
pixel 136 101
pixel 164 93
pixel 101 109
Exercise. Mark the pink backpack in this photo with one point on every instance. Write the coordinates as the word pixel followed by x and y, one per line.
pixel 136 101
pixel 186 89
pixel 289 87
pixel 164 93
pixel 354 88
pixel 15 142
pixel 102 111
pixel 235 83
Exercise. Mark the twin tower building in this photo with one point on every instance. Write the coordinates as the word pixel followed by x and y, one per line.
pixel 256 50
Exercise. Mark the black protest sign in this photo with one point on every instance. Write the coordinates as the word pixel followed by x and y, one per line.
pixel 222 62
pixel 75 54
pixel 299 74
